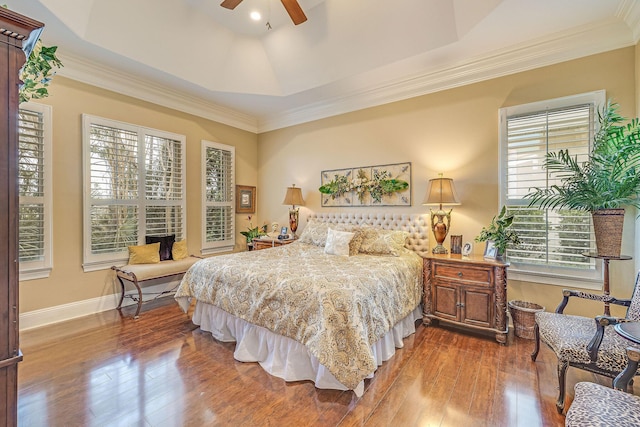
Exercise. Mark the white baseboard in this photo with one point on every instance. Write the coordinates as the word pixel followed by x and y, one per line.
pixel 60 313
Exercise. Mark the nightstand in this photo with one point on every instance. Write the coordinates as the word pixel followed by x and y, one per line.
pixel 268 242
pixel 469 292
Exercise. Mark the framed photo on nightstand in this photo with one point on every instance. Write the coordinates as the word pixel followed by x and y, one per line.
pixel 467 248
pixel 490 251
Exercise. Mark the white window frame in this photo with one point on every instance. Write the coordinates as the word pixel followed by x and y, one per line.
pixel 587 279
pixel 210 247
pixel 93 262
pixel 31 270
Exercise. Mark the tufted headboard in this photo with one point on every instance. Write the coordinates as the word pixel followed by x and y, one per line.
pixel 416 225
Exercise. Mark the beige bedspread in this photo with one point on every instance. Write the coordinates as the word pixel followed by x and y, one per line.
pixel 336 306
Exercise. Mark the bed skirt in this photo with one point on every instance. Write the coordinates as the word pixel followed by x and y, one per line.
pixel 284 357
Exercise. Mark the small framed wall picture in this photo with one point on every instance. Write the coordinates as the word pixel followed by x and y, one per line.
pixel 490 250
pixel 245 199
pixel 467 248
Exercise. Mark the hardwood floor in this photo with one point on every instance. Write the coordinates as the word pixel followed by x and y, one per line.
pixel 161 370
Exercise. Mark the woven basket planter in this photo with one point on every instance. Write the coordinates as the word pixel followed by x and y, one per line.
pixel 524 317
pixel 607 225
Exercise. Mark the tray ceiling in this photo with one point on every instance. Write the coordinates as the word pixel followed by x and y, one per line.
pixel 198 57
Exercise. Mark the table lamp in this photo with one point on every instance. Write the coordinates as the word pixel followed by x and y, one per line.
pixel 440 192
pixel 293 198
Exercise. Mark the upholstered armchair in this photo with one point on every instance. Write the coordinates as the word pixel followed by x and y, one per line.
pixel 586 343
pixel 597 405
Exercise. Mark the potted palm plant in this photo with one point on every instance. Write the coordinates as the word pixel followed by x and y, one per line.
pixel 602 185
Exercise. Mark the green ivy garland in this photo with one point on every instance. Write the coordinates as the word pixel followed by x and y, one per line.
pixel 37 72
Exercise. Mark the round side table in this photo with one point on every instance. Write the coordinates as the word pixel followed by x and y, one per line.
pixel 605 262
pixel 630 331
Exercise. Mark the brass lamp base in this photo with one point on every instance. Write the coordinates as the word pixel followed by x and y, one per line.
pixel 293 220
pixel 439 249
pixel 440 229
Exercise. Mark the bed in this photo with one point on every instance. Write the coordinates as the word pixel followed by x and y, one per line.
pixel 305 314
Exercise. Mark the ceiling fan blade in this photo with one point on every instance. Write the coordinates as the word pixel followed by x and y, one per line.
pixel 230 4
pixel 295 11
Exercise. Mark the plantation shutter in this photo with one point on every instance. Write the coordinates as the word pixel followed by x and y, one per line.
pixel 163 187
pixel 31 186
pixel 114 210
pixel 218 197
pixel 134 188
pixel 550 237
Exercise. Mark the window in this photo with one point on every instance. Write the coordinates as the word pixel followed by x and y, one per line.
pixel 134 187
pixel 34 186
pixel 552 240
pixel 218 166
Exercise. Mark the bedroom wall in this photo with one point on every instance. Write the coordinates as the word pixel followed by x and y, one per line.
pixel 636 247
pixel 68 284
pixel 454 132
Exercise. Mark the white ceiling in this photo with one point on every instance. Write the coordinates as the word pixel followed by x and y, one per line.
pixel 197 57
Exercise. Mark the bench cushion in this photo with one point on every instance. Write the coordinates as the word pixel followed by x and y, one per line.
pixel 160 269
pixel 597 405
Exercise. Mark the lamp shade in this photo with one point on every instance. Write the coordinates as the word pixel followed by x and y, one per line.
pixel 441 192
pixel 293 196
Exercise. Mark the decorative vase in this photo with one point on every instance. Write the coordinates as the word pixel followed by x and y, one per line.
pixel 607 226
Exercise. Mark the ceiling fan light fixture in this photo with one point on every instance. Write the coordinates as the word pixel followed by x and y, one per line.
pixel 291 6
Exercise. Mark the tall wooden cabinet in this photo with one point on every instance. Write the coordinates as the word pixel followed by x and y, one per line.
pixel 17 33
pixel 469 292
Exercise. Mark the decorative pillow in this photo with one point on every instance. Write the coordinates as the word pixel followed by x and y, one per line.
pixel 315 233
pixel 356 242
pixel 338 242
pixel 179 250
pixel 144 254
pixel 166 242
pixel 382 242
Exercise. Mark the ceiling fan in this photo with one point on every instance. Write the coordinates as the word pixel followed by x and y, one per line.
pixel 293 9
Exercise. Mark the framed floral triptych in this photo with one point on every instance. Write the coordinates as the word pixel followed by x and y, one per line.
pixel 383 185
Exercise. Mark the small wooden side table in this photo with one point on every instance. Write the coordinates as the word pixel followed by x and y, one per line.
pixel 262 243
pixel 630 331
pixel 469 292
pixel 605 262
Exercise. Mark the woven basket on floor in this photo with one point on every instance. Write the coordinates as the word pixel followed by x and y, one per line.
pixel 524 317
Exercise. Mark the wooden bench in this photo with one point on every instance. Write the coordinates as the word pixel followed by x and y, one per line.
pixel 137 273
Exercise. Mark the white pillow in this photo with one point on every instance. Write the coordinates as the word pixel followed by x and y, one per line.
pixel 314 233
pixel 338 242
pixel 354 246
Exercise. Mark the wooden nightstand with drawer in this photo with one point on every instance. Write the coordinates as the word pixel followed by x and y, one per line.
pixel 469 292
pixel 266 243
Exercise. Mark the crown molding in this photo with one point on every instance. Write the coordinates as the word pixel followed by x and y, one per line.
pixel 557 48
pixel 561 47
pixel 106 77
pixel 629 12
